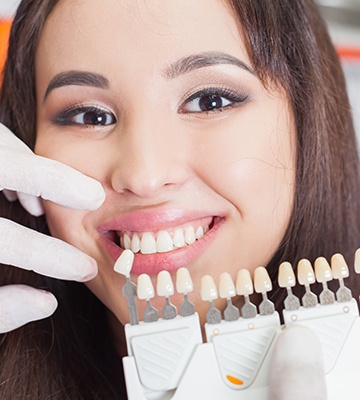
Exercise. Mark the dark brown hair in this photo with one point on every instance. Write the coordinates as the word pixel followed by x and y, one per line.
pixel 71 354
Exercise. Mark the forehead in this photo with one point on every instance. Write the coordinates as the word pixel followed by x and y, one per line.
pixel 94 33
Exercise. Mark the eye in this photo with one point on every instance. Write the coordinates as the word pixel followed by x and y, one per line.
pixel 211 100
pixel 89 116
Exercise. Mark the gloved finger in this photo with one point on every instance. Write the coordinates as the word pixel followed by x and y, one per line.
pixel 23 171
pixel 33 205
pixel 31 250
pixel 20 304
pixel 296 370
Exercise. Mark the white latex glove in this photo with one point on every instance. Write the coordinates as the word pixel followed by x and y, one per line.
pixel 27 177
pixel 296 370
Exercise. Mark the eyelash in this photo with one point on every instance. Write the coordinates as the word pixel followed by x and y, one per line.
pixel 66 117
pixel 213 94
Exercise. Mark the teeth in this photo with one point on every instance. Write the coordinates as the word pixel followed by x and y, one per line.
pixel 184 282
pixel 208 288
pixel 226 286
pixel 165 286
pixel 145 288
pixel 146 243
pixel 305 272
pixel 127 241
pixel 178 239
pixel 244 285
pixel 189 235
pixel 135 243
pixel 357 261
pixel 164 242
pixel 124 263
pixel 286 277
pixel 262 280
pixel 199 232
pixel 339 267
pixel 322 270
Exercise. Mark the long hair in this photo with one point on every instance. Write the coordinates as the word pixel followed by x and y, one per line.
pixel 288 44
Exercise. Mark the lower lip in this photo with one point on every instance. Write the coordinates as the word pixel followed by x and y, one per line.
pixel 171 261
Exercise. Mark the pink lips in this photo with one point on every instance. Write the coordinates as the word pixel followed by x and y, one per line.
pixel 142 221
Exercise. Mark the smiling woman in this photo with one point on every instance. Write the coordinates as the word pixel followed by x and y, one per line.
pixel 215 152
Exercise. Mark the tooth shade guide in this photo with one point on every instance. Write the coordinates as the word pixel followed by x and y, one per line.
pixel 323 275
pixel 340 271
pixel 244 284
pixel 263 285
pixel 184 285
pixel 165 288
pixel 306 276
pixel 357 261
pixel 286 279
pixel 124 263
pixel 209 293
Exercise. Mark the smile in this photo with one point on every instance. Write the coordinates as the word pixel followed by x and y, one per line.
pixel 163 241
pixel 168 239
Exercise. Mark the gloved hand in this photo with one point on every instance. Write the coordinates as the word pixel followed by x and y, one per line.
pixel 296 370
pixel 25 176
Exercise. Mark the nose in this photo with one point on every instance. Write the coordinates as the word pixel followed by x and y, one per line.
pixel 150 161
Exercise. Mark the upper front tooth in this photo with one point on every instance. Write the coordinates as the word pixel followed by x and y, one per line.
pixel 164 242
pixel 127 241
pixel 147 244
pixel 199 232
pixel 190 235
pixel 178 239
pixel 135 243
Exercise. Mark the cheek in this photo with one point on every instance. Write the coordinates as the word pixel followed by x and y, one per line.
pixel 252 165
pixel 66 224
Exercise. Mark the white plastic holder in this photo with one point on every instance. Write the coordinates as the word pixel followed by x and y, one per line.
pixel 204 373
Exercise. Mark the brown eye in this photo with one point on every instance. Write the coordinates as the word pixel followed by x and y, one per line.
pixel 94 118
pixel 212 100
pixel 85 116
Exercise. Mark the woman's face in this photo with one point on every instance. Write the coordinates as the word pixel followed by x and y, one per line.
pixel 161 105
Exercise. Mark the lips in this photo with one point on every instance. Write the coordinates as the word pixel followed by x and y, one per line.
pixel 166 240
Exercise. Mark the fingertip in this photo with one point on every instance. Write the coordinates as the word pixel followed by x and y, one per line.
pixel 91 270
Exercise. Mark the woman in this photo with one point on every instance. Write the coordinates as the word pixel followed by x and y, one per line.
pixel 230 120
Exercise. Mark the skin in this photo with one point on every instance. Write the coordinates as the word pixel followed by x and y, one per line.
pixel 236 163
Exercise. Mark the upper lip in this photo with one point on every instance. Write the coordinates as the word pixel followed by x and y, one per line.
pixel 145 221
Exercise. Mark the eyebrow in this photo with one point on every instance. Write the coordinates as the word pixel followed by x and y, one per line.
pixel 202 60
pixel 77 78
